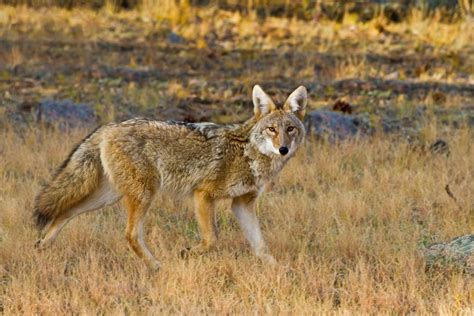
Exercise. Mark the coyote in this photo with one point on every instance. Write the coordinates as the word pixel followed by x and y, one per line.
pixel 136 158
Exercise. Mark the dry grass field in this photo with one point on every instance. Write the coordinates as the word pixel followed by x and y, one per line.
pixel 347 222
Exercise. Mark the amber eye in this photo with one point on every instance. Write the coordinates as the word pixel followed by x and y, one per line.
pixel 290 129
pixel 272 129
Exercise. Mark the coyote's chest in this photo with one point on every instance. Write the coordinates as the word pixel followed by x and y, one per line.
pixel 241 188
pixel 259 172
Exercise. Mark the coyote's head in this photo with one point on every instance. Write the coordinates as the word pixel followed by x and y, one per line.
pixel 279 130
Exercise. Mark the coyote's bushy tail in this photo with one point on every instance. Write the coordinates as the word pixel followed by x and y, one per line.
pixel 76 178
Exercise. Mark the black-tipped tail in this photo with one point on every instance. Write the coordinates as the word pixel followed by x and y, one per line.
pixel 41 219
pixel 70 184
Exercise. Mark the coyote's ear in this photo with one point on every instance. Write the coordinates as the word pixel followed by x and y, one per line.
pixel 296 102
pixel 262 104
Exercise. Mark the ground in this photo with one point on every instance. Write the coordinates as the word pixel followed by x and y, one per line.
pixel 346 222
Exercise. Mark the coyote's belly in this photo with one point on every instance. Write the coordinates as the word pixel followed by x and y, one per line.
pixel 213 176
pixel 178 180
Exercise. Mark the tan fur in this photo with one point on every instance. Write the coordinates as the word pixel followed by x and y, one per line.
pixel 137 158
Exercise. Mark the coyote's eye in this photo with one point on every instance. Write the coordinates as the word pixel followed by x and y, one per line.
pixel 272 129
pixel 290 129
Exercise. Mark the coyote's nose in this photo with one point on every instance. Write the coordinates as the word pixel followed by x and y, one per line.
pixel 283 150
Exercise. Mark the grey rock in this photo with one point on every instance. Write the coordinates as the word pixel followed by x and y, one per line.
pixel 63 113
pixel 174 38
pixel 337 126
pixel 457 253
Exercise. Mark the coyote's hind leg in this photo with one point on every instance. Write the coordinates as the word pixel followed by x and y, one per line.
pixel 137 209
pixel 204 209
pixel 103 195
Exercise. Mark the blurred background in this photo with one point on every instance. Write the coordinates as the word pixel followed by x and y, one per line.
pixel 387 65
pixel 365 226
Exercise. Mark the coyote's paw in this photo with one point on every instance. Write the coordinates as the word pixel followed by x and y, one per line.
pixel 185 253
pixel 153 266
pixel 40 244
pixel 268 259
pixel 193 251
pixel 37 244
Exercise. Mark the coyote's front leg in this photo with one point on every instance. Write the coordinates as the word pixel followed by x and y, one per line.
pixel 244 209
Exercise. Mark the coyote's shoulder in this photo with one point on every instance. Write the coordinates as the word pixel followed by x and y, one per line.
pixel 137 158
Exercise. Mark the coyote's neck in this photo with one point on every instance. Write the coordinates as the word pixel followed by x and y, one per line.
pixel 263 167
pixel 241 132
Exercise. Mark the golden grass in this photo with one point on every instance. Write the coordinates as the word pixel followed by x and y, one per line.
pixel 345 222
pixel 108 24
pixel 351 39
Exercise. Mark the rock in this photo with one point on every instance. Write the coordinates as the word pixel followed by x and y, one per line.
pixel 457 253
pixel 336 126
pixel 174 38
pixel 63 113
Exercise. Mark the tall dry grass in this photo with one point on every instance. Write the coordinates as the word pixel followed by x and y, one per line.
pixel 345 222
pixel 193 23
